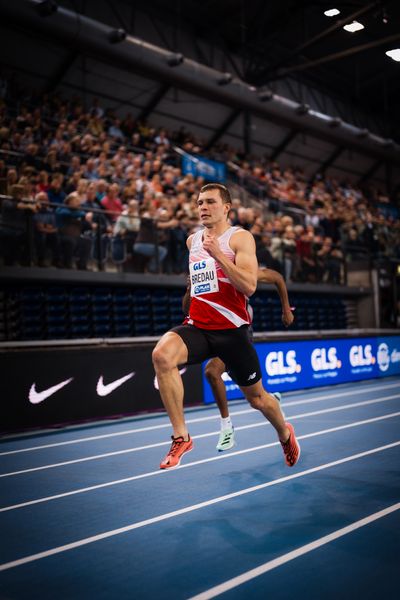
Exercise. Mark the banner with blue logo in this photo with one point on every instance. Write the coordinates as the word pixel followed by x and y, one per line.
pixel 305 364
pixel 197 166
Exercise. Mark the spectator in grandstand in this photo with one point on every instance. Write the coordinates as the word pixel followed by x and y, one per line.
pixel 16 220
pixel 31 158
pixel 55 192
pixel 331 224
pixel 128 125
pixel 111 203
pixel 127 224
pixel 305 252
pixel 92 205
pixel 119 176
pixel 95 126
pixel 149 243
pixel 115 131
pixel 72 222
pixel 28 186
pixel 90 172
pixel 370 235
pixel 45 232
pixel 264 256
pixel 354 246
pixel 161 138
pixel 11 180
pixel 289 254
pixel 42 182
pixel 51 164
pixel 177 256
pixel 81 189
pixel 101 190
pixel 74 166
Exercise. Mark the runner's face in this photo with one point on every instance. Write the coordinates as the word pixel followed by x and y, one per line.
pixel 211 208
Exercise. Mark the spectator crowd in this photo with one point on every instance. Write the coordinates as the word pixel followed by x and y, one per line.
pixel 81 188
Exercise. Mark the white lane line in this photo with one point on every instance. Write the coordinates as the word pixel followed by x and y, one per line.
pixel 362 390
pixel 194 463
pixel 285 558
pixel 188 509
pixel 202 435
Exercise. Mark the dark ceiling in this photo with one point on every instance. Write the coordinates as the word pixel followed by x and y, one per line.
pixel 287 37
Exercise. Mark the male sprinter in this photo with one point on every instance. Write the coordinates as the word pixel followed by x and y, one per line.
pixel 223 273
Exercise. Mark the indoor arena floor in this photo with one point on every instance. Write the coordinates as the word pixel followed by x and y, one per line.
pixel 86 512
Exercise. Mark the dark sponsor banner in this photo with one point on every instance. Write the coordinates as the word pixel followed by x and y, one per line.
pixel 55 386
pixel 305 364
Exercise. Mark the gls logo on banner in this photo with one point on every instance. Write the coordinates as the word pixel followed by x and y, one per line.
pixel 281 363
pixel 361 356
pixel 323 359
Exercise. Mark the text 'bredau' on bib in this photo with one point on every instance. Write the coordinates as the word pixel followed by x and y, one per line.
pixel 203 277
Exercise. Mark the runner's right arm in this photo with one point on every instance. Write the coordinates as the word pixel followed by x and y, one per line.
pixel 271 276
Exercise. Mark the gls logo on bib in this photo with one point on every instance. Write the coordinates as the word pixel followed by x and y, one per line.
pixel 199 265
pixel 281 363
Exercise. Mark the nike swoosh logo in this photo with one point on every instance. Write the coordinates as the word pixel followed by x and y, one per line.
pixel 181 372
pixel 37 397
pixel 104 390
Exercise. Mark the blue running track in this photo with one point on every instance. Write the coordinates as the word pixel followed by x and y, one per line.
pixel 86 513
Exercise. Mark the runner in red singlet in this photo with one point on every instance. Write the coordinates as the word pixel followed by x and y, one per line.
pixel 223 275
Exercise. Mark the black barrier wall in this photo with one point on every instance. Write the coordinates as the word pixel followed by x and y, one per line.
pixel 54 386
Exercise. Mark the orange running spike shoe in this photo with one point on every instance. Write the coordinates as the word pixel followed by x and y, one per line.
pixel 177 450
pixel 291 448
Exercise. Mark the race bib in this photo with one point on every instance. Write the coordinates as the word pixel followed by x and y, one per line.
pixel 203 277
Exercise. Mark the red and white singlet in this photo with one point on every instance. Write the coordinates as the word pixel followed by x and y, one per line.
pixel 215 302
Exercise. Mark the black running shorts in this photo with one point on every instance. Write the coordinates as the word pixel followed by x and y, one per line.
pixel 232 346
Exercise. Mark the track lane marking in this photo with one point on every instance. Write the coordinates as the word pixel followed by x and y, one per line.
pixel 362 390
pixel 200 436
pixel 188 509
pixel 192 464
pixel 285 558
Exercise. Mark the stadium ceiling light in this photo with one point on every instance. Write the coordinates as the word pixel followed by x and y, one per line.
pixel 175 59
pixel 302 109
pixel 362 133
pixel 353 27
pixel 47 8
pixel 265 95
pixel 394 54
pixel 225 79
pixel 116 36
pixel 332 12
pixel 389 143
pixel 335 122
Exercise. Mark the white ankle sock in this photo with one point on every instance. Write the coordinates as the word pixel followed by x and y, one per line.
pixel 226 423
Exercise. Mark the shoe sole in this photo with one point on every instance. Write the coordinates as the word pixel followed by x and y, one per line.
pixel 299 452
pixel 298 456
pixel 177 465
